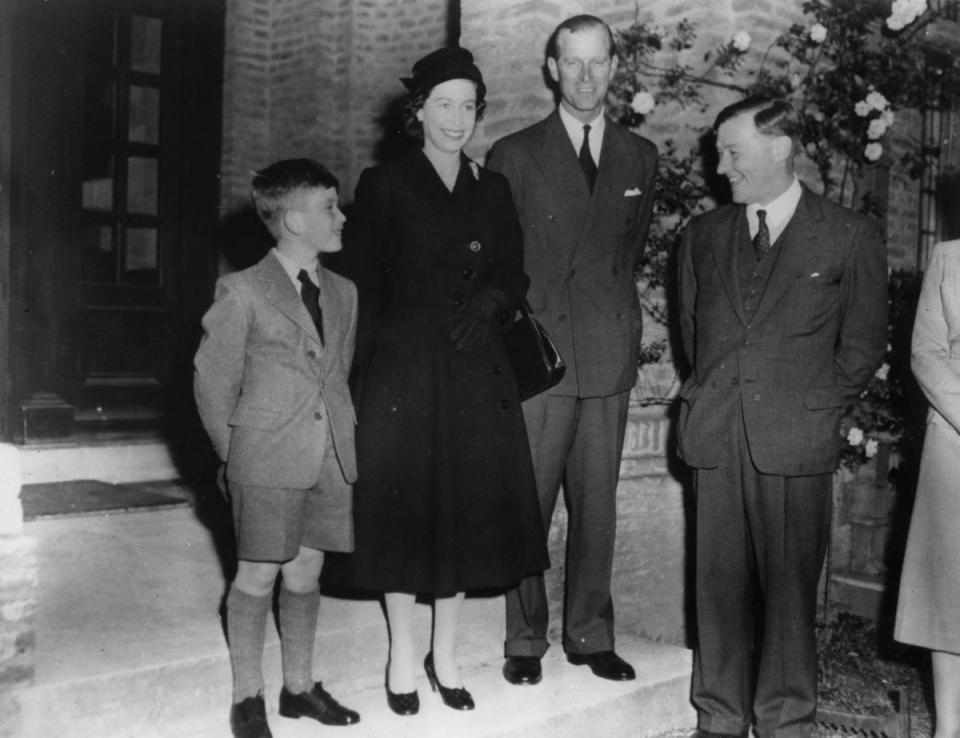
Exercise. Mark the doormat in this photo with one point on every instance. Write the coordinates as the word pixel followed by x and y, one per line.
pixel 93 497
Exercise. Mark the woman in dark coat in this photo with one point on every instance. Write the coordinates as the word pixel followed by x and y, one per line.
pixel 446 497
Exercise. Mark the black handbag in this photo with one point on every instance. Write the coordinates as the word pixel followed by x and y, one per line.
pixel 537 365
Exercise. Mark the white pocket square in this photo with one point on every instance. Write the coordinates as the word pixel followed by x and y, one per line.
pixel 632 192
pixel 814 275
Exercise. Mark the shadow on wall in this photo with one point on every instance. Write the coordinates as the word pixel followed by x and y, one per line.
pixel 244 239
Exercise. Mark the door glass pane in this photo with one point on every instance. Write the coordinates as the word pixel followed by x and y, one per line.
pixel 142 185
pixel 141 259
pixel 97 179
pixel 99 261
pixel 145 36
pixel 144 114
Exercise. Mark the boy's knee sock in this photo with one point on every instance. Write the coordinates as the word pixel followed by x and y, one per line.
pixel 298 628
pixel 246 628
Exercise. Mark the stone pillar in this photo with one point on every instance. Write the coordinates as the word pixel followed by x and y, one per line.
pixel 18 578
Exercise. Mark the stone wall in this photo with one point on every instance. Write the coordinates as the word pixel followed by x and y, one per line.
pixel 18 580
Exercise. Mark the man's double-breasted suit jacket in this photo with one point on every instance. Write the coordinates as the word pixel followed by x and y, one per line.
pixel 814 340
pixel 265 385
pixel 581 251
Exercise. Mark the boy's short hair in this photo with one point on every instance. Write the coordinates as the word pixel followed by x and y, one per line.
pixel 275 189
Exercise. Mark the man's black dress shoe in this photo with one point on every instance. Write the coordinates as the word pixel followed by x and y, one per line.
pixel 522 670
pixel 317 704
pixel 605 664
pixel 456 697
pixel 248 719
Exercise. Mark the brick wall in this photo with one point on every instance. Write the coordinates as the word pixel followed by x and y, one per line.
pixel 307 78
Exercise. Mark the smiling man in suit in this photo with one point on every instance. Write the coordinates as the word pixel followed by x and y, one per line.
pixel 271 388
pixel 583 187
pixel 783 320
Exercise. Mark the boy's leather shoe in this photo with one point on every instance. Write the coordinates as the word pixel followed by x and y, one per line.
pixel 248 719
pixel 317 704
pixel 605 664
pixel 522 670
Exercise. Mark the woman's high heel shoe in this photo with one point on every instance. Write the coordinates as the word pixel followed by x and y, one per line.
pixel 402 703
pixel 457 698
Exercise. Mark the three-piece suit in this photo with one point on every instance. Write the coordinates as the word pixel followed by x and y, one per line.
pixel 778 349
pixel 580 252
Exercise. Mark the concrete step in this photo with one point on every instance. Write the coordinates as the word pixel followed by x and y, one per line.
pixel 569 703
pixel 129 643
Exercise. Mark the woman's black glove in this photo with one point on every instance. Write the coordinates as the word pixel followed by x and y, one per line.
pixel 471 325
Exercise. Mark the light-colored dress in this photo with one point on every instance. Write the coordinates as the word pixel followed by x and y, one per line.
pixel 928 609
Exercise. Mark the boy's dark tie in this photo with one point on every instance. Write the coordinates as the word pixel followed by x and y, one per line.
pixel 761 242
pixel 587 163
pixel 310 294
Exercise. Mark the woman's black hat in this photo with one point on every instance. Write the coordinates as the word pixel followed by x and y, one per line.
pixel 442 65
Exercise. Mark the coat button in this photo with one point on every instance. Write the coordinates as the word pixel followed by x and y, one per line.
pixel 497 369
pixel 475 246
pixel 458 300
pixel 615 272
pixel 311 354
pixel 504 404
pixel 562 316
pixel 756 398
pixel 318 415
pixel 468 273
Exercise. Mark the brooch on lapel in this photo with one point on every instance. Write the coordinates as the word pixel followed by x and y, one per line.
pixel 475 168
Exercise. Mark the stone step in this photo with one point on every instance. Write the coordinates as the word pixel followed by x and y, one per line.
pixel 128 643
pixel 569 703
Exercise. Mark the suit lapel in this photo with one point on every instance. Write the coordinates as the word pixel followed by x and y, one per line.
pixel 562 171
pixel 804 229
pixel 725 254
pixel 280 292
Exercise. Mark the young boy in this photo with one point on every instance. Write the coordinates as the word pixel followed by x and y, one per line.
pixel 271 387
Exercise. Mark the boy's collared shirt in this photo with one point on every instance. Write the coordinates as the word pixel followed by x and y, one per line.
pixel 292 268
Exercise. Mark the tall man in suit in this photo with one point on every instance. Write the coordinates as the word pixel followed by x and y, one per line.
pixel 583 187
pixel 271 388
pixel 782 299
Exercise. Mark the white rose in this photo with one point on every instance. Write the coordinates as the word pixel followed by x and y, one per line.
pixel 741 41
pixel 905 12
pixel 870 448
pixel 855 436
pixel 873 151
pixel 643 103
pixel 862 108
pixel 882 372
pixel 877 128
pixel 818 33
pixel 877 101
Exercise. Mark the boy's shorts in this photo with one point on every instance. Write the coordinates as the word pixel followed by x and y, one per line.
pixel 272 523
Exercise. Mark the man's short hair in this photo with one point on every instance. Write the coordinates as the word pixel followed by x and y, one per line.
pixel 275 189
pixel 772 116
pixel 579 23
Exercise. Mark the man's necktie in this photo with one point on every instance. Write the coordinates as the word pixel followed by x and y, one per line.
pixel 587 163
pixel 310 294
pixel 761 242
